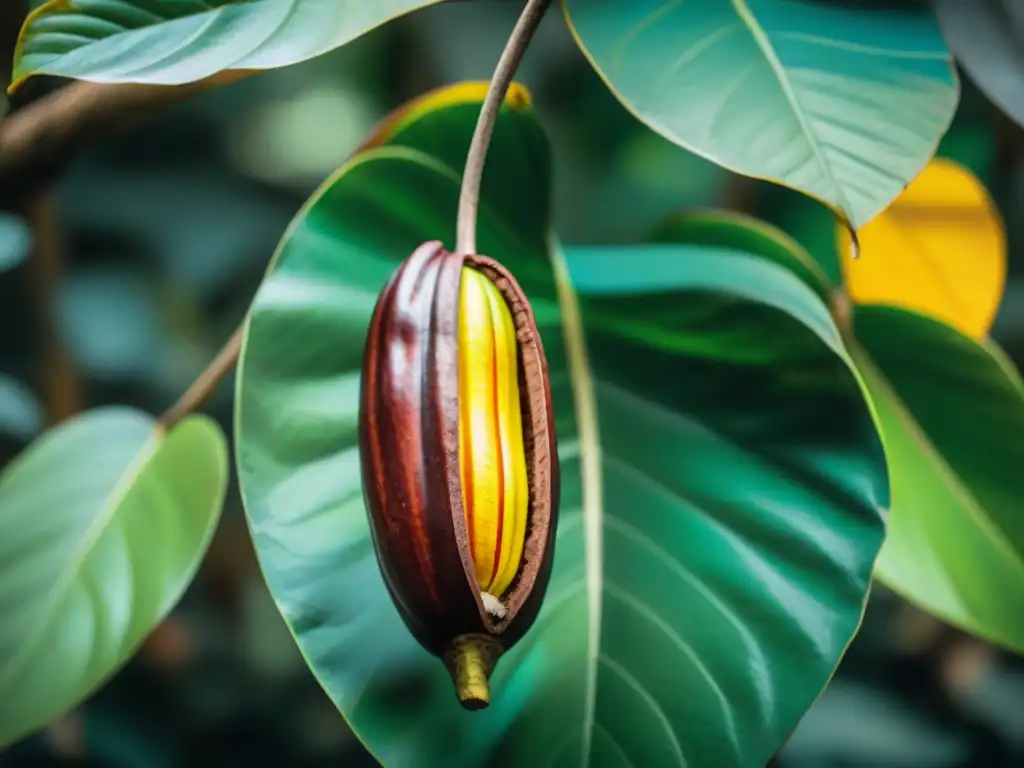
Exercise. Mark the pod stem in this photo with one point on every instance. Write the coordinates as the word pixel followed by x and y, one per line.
pixel 504 72
pixel 470 659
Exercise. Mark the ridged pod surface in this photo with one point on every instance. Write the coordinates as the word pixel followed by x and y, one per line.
pixel 459 459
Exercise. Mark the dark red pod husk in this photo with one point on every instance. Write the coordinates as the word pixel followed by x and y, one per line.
pixel 409 450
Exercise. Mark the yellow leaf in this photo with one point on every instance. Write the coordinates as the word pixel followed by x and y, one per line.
pixel 939 249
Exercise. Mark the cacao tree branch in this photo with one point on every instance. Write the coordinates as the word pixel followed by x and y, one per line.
pixel 508 63
pixel 37 141
pixel 56 378
pixel 202 388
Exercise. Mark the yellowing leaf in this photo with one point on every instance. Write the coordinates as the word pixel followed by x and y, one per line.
pixel 939 249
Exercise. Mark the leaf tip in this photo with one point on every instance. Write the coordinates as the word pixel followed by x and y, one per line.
pixel 854 241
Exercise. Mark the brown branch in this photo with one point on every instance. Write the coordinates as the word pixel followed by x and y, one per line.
pixel 59 383
pixel 36 142
pixel 56 377
pixel 203 387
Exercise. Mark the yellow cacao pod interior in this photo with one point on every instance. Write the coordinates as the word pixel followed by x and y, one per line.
pixel 491 451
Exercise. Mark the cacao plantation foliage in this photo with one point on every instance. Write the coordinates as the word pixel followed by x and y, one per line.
pixel 525 501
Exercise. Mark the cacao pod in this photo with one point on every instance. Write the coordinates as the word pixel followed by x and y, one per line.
pixel 459 459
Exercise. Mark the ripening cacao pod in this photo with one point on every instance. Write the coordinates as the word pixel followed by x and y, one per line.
pixel 459 462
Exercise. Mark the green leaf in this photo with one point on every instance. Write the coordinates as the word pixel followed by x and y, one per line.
pixel 441 124
pixel 719 518
pixel 948 408
pixel 103 522
pixel 810 224
pixel 185 40
pixel 745 234
pixel 951 411
pixel 846 104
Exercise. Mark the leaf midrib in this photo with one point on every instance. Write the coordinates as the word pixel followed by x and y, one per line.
pixel 768 49
pixel 59 6
pixel 585 402
pixel 91 535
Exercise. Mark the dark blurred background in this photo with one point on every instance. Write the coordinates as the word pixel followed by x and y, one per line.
pixel 143 257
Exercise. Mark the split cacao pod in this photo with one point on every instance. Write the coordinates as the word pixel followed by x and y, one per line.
pixel 459 459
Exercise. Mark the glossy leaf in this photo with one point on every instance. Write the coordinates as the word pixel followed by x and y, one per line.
pixel 950 410
pixel 441 123
pixel 103 522
pixel 947 407
pixel 744 234
pixel 987 37
pixel 939 249
pixel 844 103
pixel 186 40
pixel 719 520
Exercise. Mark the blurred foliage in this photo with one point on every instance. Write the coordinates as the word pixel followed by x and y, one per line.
pixel 15 240
pixel 163 237
pixel 914 251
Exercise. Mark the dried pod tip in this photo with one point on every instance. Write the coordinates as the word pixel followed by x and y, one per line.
pixel 470 659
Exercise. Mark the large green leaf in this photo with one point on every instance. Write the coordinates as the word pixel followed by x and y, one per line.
pixel 178 41
pixel 103 522
pixel 949 409
pixel 951 412
pixel 745 234
pixel 719 519
pixel 844 102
